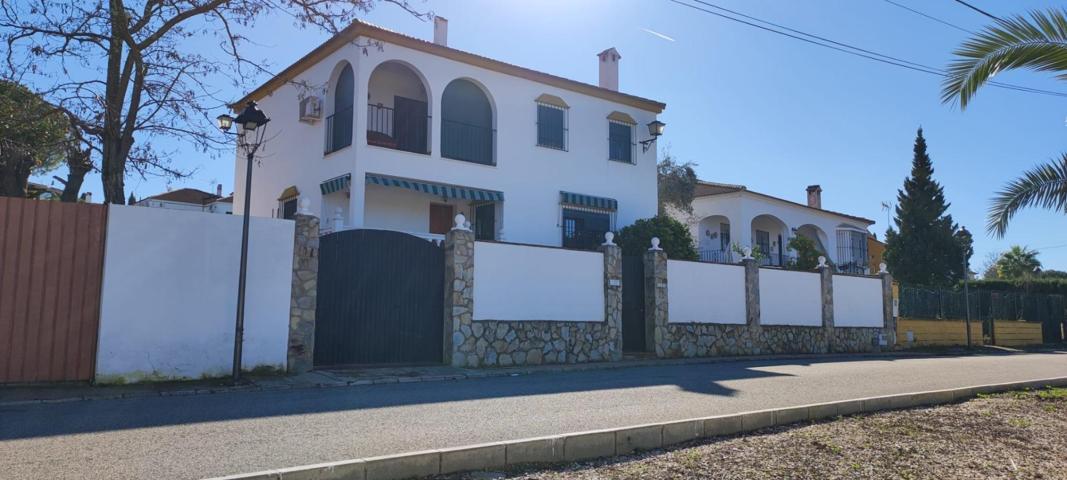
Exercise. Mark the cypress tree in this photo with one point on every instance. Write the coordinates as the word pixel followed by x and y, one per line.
pixel 924 248
pixel 132 200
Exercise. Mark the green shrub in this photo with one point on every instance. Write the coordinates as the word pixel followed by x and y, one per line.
pixel 674 238
pixel 807 254
pixel 1054 286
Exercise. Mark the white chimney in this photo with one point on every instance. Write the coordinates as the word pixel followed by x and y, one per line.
pixel 609 68
pixel 218 190
pixel 814 196
pixel 440 31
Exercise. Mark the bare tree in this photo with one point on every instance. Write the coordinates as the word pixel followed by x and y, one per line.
pixel 124 71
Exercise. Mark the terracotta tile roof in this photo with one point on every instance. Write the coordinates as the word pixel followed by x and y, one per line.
pixel 363 29
pixel 706 189
pixel 185 195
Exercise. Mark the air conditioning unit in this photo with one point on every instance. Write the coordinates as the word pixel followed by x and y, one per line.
pixel 311 109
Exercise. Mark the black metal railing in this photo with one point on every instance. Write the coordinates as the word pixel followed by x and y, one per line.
pixel 716 256
pixel 853 268
pixel 620 149
pixel 470 143
pixel 400 131
pixel 339 130
pixel 777 260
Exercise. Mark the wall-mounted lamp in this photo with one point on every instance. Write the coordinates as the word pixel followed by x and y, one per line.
pixel 655 129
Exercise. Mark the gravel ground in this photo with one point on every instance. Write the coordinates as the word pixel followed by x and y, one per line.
pixel 1021 435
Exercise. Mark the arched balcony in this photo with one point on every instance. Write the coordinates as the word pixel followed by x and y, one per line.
pixel 398 110
pixel 713 240
pixel 769 236
pixel 339 120
pixel 467 123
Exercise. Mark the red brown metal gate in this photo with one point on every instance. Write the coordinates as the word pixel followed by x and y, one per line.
pixel 51 269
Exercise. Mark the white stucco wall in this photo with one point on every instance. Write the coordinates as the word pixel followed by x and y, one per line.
pixel 705 293
pixel 789 298
pixel 857 301
pixel 520 282
pixel 170 294
pixel 530 177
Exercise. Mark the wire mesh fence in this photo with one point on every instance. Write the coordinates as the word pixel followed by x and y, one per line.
pixel 941 304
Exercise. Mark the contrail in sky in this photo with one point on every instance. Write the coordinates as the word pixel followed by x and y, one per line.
pixel 660 35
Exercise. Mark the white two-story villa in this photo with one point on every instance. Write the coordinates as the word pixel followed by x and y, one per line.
pixel 381 130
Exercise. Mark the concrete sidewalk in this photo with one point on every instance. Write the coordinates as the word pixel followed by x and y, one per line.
pixel 13 395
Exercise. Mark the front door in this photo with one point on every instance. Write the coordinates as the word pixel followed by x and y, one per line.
pixel 441 216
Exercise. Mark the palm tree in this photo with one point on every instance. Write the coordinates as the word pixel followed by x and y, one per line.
pixel 1017 262
pixel 1036 43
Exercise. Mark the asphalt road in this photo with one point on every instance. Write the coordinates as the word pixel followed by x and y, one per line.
pixel 209 435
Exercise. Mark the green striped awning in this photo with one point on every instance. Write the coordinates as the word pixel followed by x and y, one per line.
pixel 336 184
pixel 579 200
pixel 437 189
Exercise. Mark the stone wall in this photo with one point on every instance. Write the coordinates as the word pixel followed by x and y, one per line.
pixel 488 343
pixel 303 299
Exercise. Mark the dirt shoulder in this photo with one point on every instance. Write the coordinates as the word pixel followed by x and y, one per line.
pixel 1019 435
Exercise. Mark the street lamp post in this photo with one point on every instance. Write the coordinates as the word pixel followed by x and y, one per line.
pixel 249 136
pixel 966 290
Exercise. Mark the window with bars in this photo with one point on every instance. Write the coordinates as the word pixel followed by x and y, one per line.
pixel 620 141
pixel 585 228
pixel 551 126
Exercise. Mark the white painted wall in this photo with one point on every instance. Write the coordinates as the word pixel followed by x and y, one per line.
pixel 530 177
pixel 705 293
pixel 857 301
pixel 170 291
pixel 520 282
pixel 789 298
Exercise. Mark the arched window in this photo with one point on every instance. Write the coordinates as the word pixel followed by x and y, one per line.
pixel 339 125
pixel 466 123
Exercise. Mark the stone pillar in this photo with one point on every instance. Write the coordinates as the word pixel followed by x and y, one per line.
pixel 459 295
pixel 656 335
pixel 826 280
pixel 301 353
pixel 890 321
pixel 752 314
pixel 613 294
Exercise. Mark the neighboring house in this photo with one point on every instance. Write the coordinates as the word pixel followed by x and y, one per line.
pixel 727 218
pixel 190 199
pixel 41 191
pixel 405 136
pixel 875 251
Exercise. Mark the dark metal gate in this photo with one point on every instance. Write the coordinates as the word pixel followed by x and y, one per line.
pixel 633 304
pixel 380 299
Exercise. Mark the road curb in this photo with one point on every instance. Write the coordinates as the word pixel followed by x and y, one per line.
pixel 618 441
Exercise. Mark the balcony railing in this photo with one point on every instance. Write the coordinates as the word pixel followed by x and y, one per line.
pixel 339 130
pixel 716 256
pixel 777 260
pixel 854 268
pixel 400 131
pixel 470 143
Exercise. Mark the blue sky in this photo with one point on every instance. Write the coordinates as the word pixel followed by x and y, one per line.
pixel 755 108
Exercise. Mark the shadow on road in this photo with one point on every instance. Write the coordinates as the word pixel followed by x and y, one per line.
pixel 38 420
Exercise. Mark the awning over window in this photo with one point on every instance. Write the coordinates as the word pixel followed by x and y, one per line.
pixel 336 184
pixel 588 201
pixel 438 189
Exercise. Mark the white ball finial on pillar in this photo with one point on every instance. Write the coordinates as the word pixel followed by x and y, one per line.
pixel 746 253
pixel 305 206
pixel 882 268
pixel 655 245
pixel 609 239
pixel 461 222
pixel 822 261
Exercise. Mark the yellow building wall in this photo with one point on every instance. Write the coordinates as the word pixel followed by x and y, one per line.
pixel 937 332
pixel 875 252
pixel 1011 333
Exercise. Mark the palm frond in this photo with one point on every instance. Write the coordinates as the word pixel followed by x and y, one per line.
pixel 1038 43
pixel 1044 186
